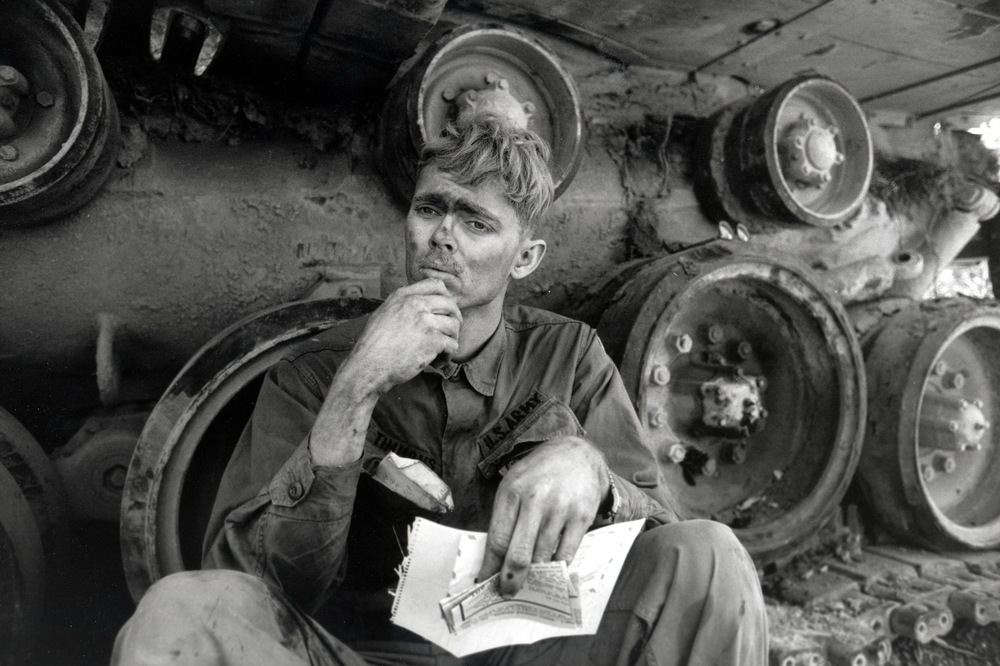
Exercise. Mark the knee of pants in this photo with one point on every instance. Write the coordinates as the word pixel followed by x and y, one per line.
pixel 702 539
pixel 189 595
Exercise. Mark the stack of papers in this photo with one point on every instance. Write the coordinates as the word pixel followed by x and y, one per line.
pixel 438 598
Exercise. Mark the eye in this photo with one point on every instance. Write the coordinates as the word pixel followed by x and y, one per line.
pixel 478 225
pixel 425 210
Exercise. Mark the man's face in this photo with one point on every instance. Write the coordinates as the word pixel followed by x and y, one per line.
pixel 468 236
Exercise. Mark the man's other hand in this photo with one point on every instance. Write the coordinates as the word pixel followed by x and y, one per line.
pixel 545 504
pixel 410 329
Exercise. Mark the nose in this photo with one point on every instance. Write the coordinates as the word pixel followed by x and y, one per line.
pixel 442 236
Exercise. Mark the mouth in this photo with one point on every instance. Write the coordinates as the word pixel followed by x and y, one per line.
pixel 430 270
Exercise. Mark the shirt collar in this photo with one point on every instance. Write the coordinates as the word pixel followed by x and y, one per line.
pixel 481 370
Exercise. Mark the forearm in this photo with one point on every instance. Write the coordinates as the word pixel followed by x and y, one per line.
pixel 337 437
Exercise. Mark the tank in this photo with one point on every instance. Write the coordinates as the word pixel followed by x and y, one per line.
pixel 188 189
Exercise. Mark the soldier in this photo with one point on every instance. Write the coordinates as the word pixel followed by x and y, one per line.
pixel 520 412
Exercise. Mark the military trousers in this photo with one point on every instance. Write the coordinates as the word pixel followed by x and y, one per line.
pixel 687 594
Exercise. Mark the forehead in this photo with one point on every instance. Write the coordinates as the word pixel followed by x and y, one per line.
pixel 487 197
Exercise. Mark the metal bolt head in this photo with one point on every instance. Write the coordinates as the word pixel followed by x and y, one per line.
pixel 503 85
pixel 472 95
pixel 928 473
pixel 739 454
pixel 8 153
pixel 682 343
pixel 114 478
pixel 492 77
pixel 677 453
pixel 715 333
pixel 657 417
pixel 448 94
pixel 8 73
pixel 940 368
pixel 661 375
pixel 45 99
pixel 743 350
pixel 528 107
pixel 710 467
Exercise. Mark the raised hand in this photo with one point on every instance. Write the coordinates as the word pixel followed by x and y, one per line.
pixel 408 331
pixel 543 507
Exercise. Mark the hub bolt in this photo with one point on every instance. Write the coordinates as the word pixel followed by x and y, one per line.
pixel 677 453
pixel 682 343
pixel 8 73
pixel 944 464
pixel 928 473
pixel 954 380
pixel 657 417
pixel 492 77
pixel 710 467
pixel 45 99
pixel 739 454
pixel 8 153
pixel 715 333
pixel 661 375
pixel 743 350
pixel 448 94
pixel 940 368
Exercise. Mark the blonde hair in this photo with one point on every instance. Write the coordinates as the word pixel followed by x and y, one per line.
pixel 485 149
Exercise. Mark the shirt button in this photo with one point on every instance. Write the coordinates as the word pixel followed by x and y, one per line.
pixel 295 491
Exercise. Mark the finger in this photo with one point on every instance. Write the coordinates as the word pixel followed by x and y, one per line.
pixel 548 539
pixel 442 305
pixel 517 561
pixel 571 537
pixel 502 520
pixel 449 326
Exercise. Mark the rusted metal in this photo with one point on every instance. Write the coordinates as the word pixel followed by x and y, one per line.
pixel 24 458
pixel 800 153
pixel 918 410
pixel 63 152
pixel 172 475
pixel 529 85
pixel 643 314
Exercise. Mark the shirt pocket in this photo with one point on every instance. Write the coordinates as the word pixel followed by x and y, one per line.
pixel 518 431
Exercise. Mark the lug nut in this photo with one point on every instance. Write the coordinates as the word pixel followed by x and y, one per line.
pixel 945 464
pixel 528 107
pixel 503 85
pixel 954 380
pixel 739 454
pixel 743 350
pixel 940 368
pixel 492 77
pixel 661 375
pixel 715 333
pixel 682 343
pixel 448 94
pixel 710 467
pixel 928 473
pixel 657 417
pixel 8 153
pixel 677 453
pixel 8 73
pixel 761 383
pixel 45 99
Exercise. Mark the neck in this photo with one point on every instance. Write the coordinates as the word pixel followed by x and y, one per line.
pixel 478 325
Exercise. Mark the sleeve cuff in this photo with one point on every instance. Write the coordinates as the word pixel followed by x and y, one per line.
pixel 300 479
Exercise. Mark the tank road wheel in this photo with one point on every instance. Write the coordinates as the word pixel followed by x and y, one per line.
pixel 37 478
pixel 476 69
pixel 192 431
pixel 802 153
pixel 931 463
pixel 749 381
pixel 22 571
pixel 58 121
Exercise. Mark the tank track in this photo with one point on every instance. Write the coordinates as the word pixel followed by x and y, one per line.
pixel 854 605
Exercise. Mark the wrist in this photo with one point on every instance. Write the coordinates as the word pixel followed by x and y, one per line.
pixel 607 512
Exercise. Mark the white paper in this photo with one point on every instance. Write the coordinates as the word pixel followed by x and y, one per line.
pixel 443 561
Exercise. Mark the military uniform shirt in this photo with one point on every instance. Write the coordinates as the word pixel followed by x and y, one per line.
pixel 331 537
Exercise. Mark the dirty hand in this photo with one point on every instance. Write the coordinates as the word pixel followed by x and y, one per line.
pixel 543 507
pixel 408 331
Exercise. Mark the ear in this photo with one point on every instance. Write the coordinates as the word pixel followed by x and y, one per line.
pixel 530 255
